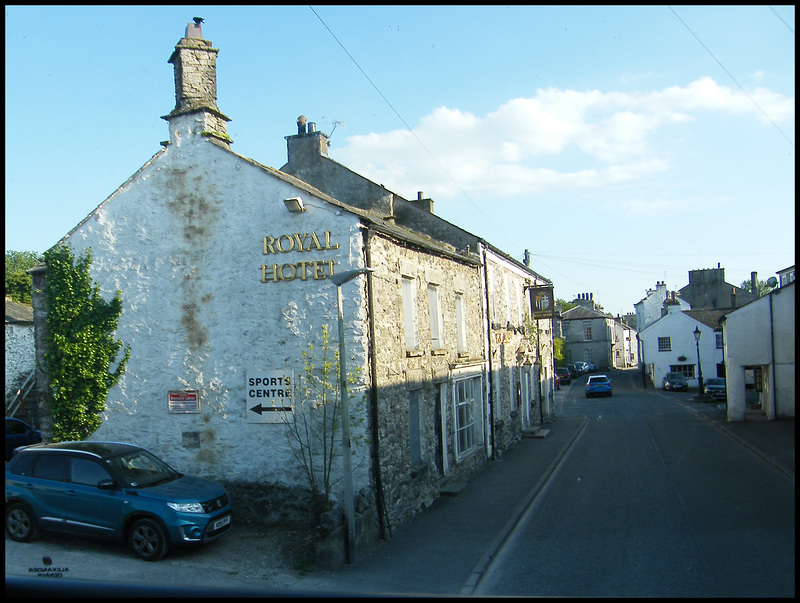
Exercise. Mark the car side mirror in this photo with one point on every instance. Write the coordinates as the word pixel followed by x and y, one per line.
pixel 106 484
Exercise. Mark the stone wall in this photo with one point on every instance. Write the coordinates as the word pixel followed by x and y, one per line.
pixel 421 379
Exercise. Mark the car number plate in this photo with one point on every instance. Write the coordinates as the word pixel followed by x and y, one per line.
pixel 222 522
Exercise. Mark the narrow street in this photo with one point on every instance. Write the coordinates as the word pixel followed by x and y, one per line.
pixel 652 501
pixel 635 495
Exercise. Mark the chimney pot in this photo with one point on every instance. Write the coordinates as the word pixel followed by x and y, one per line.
pixel 301 124
pixel 194 30
pixel 312 127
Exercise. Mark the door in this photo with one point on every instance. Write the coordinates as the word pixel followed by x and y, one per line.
pixel 88 508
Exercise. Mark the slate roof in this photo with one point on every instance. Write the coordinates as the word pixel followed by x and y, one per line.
pixel 581 313
pixel 710 318
pixel 18 313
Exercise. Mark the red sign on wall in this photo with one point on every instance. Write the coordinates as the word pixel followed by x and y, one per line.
pixel 184 402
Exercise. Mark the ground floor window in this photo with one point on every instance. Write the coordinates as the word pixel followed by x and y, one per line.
pixel 687 370
pixel 466 402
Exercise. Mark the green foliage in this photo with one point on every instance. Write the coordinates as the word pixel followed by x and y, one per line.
pixel 564 305
pixel 80 346
pixel 18 281
pixel 19 287
pixel 761 287
pixel 314 428
pixel 560 350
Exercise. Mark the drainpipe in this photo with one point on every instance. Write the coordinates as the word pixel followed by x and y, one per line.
pixel 773 382
pixel 488 347
pixel 380 503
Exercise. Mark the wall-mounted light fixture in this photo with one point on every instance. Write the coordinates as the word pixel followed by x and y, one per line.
pixel 294 205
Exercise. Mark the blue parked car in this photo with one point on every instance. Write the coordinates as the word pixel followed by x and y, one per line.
pixel 598 385
pixel 111 490
pixel 19 433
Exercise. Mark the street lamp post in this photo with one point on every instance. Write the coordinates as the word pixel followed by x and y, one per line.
pixel 697 334
pixel 340 279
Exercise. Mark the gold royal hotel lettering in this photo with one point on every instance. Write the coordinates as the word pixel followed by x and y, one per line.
pixel 286 243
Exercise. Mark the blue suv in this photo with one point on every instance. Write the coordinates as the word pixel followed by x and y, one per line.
pixel 111 490
pixel 19 433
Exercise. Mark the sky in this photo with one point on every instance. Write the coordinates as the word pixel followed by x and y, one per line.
pixel 619 146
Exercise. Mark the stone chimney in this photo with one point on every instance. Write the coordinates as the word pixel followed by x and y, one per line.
pixel 307 146
pixel 423 203
pixel 196 111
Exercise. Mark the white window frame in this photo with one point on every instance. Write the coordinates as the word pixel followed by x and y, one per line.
pixel 466 416
pixel 435 309
pixel 410 312
pixel 461 325
pixel 664 344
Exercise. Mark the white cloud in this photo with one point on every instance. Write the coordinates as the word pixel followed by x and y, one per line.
pixel 557 139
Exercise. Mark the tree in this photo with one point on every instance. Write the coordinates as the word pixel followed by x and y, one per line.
pixel 313 429
pixel 80 345
pixel 17 280
pixel 560 350
pixel 762 288
pixel 565 305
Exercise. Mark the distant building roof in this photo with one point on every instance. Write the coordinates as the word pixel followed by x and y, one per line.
pixel 710 318
pixel 18 313
pixel 581 313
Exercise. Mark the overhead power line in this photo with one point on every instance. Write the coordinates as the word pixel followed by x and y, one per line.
pixel 730 75
pixel 400 117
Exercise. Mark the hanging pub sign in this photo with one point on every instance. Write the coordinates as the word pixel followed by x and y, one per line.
pixel 184 402
pixel 269 396
pixel 542 302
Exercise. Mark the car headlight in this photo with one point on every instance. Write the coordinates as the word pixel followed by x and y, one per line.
pixel 192 507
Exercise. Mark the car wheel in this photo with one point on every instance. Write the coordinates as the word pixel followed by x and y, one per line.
pixel 147 540
pixel 20 523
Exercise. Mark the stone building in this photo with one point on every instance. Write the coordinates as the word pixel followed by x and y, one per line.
pixel 707 290
pixel 20 360
pixel 224 267
pixel 596 337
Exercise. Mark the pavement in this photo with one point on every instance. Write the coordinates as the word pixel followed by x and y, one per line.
pixel 771 440
pixel 445 549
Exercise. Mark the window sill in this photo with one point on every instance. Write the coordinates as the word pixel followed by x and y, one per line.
pixel 414 353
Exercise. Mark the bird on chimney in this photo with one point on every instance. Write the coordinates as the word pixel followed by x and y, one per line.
pixel 197 20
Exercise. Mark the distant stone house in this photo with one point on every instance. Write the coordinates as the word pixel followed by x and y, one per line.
pixel 20 358
pixel 224 267
pixel 760 352
pixel 590 335
pixel 707 290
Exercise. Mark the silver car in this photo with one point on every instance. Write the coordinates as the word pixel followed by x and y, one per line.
pixel 716 388
pixel 674 382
